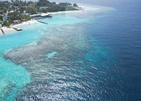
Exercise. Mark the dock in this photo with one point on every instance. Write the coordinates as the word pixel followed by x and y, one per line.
pixel 17 29
pixel 42 22
pixel 46 15
pixel 2 31
pixel 42 15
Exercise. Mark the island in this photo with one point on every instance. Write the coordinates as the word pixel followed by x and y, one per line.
pixel 16 11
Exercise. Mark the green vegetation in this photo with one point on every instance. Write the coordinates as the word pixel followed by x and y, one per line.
pixel 18 16
pixel 1 17
pixel 21 10
pixel 6 23
pixel 70 8
pixel 75 5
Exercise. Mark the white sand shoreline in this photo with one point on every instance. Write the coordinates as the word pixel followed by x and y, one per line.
pixel 83 8
pixel 8 30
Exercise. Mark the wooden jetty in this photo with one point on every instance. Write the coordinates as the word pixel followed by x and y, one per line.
pixel 42 15
pixel 2 31
pixel 46 15
pixel 42 22
pixel 17 29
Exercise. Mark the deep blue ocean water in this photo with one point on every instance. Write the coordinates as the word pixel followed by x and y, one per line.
pixel 78 56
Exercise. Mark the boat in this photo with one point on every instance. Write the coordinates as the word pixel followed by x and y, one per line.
pixel 19 29
pixel 46 15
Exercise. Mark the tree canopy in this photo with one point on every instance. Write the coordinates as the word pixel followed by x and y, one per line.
pixel 19 10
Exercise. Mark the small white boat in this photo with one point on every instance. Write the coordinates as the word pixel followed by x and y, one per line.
pixel 19 29
pixel 46 15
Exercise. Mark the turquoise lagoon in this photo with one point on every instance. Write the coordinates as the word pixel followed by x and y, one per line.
pixel 14 76
pixel 46 62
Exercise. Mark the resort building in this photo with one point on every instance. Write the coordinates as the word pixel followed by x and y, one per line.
pixel 5 16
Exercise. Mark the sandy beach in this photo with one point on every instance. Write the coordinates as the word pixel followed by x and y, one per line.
pixel 8 30
pixel 83 8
